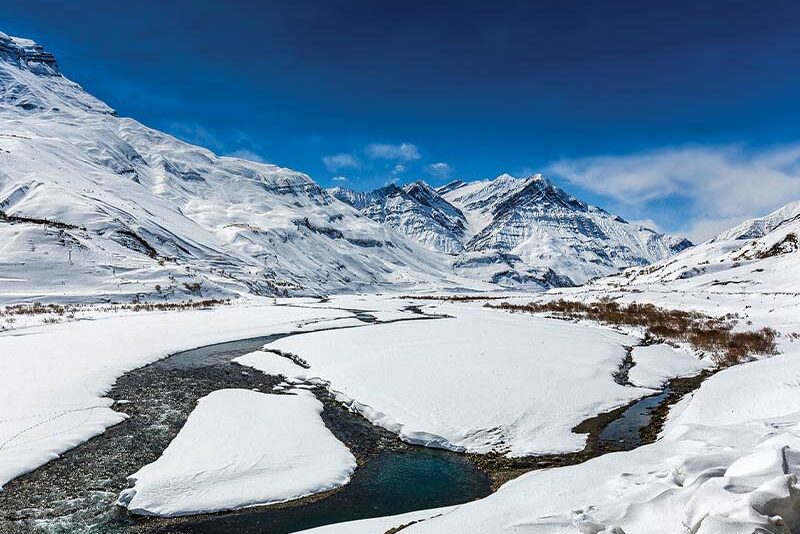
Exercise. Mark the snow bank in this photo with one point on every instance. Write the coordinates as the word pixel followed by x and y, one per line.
pixel 655 364
pixel 240 448
pixel 728 462
pixel 483 381
pixel 54 377
pixel 379 525
pixel 768 388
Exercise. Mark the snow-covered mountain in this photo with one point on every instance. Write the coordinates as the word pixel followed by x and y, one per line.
pixel 515 230
pixel 416 210
pixel 92 204
pixel 759 227
pixel 759 255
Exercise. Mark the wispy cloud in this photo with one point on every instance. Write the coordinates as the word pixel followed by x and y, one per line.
pixel 439 170
pixel 340 178
pixel 722 185
pixel 399 169
pixel 341 161
pixel 402 152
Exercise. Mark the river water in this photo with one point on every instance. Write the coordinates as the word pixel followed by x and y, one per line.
pixel 80 488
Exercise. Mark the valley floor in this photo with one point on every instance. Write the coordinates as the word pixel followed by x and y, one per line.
pixel 452 375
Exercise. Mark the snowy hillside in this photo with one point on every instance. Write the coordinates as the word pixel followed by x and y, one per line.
pixel 94 204
pixel 759 255
pixel 416 210
pixel 755 228
pixel 515 231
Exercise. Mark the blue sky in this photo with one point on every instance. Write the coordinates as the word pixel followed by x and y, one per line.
pixel 658 111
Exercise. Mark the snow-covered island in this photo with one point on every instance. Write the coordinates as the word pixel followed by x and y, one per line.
pixel 190 342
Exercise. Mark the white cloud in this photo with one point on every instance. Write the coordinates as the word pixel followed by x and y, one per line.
pixel 403 151
pixel 340 178
pixel 341 161
pixel 721 185
pixel 700 230
pixel 399 169
pixel 247 154
pixel 439 170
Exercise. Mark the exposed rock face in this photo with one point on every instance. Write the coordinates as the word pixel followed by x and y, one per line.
pixel 415 210
pixel 515 231
pixel 94 204
pixel 27 54
pixel 99 205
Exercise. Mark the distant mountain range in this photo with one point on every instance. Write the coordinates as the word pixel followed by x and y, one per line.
pixel 97 206
pixel 514 230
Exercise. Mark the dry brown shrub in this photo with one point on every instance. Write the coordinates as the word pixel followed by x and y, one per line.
pixel 708 334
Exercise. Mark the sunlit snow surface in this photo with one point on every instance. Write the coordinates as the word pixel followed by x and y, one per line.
pixel 759 256
pixel 54 377
pixel 655 364
pixel 128 208
pixel 241 448
pixel 728 460
pixel 482 380
pixel 708 476
pixel 103 207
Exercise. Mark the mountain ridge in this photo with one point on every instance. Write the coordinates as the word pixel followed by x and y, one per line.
pixel 761 254
pixel 97 206
pixel 522 226
pixel 101 207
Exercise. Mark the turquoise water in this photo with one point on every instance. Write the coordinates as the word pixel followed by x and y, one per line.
pixel 392 483
pixel 395 479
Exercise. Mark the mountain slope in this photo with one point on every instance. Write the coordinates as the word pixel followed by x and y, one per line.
pixel 759 227
pixel 544 226
pixel 515 231
pixel 96 205
pixel 415 210
pixel 759 255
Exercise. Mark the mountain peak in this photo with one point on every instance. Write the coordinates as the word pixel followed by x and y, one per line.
pixel 28 55
pixel 142 195
pixel 514 230
pixel 30 80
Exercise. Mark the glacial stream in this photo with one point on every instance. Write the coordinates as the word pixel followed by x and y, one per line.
pixel 392 477
pixel 76 493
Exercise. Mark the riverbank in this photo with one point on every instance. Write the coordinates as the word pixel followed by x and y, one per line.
pixel 157 399
pixel 79 489
pixel 501 469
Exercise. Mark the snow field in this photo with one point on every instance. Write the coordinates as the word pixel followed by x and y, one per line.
pixel 725 464
pixel 240 448
pixel 53 378
pixel 482 381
